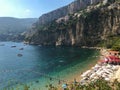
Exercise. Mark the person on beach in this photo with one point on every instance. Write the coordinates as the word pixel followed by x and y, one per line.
pixel 106 60
pixel 75 82
pixel 59 82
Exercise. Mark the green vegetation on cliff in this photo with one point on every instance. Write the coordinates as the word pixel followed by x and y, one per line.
pixel 92 26
pixel 112 42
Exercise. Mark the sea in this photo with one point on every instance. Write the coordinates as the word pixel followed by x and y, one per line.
pixel 36 67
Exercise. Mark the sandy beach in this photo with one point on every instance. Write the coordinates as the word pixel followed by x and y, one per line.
pixel 77 76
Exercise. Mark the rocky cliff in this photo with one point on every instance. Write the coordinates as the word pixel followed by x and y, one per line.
pixel 86 27
pixel 69 9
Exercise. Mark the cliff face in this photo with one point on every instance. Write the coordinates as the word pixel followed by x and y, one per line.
pixel 69 9
pixel 84 28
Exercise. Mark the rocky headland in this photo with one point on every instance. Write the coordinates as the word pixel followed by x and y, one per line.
pixel 89 25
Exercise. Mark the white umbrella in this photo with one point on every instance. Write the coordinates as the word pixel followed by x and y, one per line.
pixel 64 86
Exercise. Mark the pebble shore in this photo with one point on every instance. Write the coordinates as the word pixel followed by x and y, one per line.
pixel 105 71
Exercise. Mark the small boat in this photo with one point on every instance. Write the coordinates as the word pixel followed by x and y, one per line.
pixel 20 55
pixel 21 48
pixel 13 46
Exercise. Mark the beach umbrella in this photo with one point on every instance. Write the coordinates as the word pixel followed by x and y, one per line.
pixel 64 86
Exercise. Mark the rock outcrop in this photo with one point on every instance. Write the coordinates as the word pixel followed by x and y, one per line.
pixel 86 27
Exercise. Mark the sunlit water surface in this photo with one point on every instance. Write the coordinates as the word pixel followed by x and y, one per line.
pixel 40 65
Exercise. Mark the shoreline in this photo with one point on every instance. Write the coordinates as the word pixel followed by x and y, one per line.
pixel 77 76
pixel 109 72
pixel 96 71
pixel 69 79
pixel 90 65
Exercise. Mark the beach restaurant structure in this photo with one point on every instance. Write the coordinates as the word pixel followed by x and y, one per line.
pixel 114 53
pixel 112 57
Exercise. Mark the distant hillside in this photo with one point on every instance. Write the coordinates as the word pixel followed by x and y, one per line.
pixel 10 27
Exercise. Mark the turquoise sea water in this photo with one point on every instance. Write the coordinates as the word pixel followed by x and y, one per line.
pixel 40 65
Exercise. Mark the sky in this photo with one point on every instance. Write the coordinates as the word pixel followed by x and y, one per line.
pixel 29 8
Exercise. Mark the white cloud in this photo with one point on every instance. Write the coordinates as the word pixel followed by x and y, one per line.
pixel 27 10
